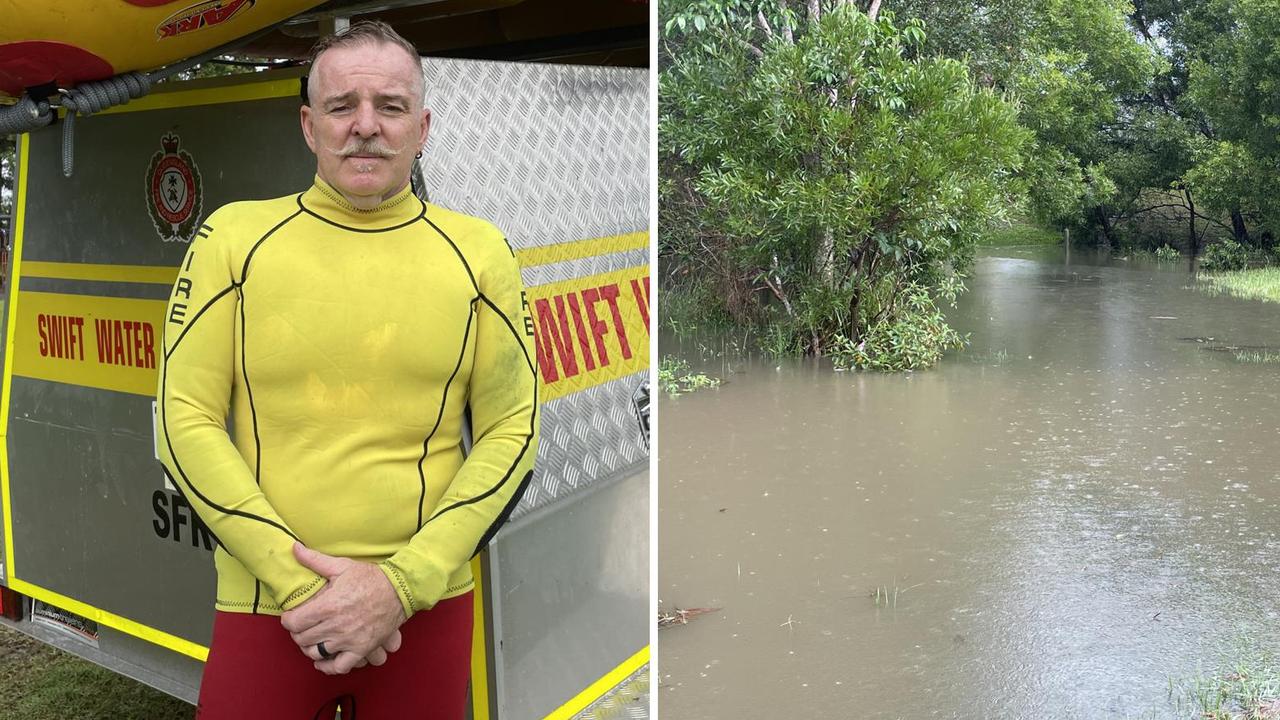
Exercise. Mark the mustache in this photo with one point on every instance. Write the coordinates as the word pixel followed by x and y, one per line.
pixel 368 146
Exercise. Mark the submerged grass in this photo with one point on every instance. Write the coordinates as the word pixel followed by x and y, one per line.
pixel 1259 284
pixel 1260 357
pixel 887 596
pixel 1245 689
pixel 1245 685
pixel 990 357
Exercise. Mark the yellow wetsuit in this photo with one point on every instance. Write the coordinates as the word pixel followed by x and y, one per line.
pixel 346 347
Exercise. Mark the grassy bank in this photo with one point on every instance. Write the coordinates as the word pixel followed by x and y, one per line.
pixel 1260 284
pixel 38 682
pixel 1246 687
pixel 1020 233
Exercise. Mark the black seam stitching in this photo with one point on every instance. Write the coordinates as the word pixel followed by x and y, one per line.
pixel 245 604
pixel 244 269
pixel 533 419
pixel 400 580
pixel 253 412
pixel 194 318
pixel 444 399
pixel 510 326
pixel 461 257
pixel 178 488
pixel 164 379
pixel 455 588
pixel 303 208
pixel 244 361
pixel 301 591
pixel 505 515
pixel 164 397
pixel 341 201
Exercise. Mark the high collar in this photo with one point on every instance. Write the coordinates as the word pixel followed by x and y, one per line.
pixel 323 200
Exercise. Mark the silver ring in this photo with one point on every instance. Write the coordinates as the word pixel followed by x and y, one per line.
pixel 324 654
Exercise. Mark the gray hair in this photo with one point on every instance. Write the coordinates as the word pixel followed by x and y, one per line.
pixel 365 32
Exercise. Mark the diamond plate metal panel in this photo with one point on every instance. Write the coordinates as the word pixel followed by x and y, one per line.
pixel 597 264
pixel 628 701
pixel 551 154
pixel 586 437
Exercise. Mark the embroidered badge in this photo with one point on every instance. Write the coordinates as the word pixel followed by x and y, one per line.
pixel 174 194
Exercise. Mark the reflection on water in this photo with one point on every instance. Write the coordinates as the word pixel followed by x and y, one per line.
pixel 1078 507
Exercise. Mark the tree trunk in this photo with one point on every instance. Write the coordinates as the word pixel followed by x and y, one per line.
pixel 1193 241
pixel 1100 212
pixel 1238 227
pixel 826 260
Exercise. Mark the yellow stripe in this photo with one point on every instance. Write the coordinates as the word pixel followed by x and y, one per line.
pixel 149 274
pixel 479 648
pixel 597 689
pixel 111 620
pixel 582 325
pixel 578 249
pixel 579 339
pixel 211 96
pixel 20 210
pixel 114 343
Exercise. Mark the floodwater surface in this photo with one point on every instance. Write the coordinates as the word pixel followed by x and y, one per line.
pixel 1053 523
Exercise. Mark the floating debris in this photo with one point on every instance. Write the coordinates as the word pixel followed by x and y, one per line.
pixel 681 617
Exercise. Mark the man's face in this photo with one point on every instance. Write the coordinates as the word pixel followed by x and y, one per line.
pixel 365 122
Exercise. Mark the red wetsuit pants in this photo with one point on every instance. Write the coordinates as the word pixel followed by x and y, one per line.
pixel 255 671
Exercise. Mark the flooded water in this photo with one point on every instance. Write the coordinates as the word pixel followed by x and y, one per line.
pixel 1079 507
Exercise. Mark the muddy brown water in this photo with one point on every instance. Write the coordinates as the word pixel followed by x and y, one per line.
pixel 1075 510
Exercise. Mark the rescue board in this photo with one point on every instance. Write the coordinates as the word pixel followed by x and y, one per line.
pixel 68 43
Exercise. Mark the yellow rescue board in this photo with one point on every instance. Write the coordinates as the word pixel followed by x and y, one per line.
pixel 79 40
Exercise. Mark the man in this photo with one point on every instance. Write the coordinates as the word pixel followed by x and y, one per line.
pixel 347 330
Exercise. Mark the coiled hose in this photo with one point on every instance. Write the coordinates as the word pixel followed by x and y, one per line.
pixel 91 97
pixel 25 116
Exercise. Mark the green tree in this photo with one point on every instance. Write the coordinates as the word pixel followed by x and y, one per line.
pixel 1074 67
pixel 1234 80
pixel 814 155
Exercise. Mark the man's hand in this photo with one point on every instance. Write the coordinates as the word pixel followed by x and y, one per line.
pixel 377 657
pixel 356 615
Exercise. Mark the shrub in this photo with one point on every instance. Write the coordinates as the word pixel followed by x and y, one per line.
pixel 909 340
pixel 1225 255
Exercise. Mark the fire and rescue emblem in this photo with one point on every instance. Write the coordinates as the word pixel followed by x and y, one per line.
pixel 174 195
